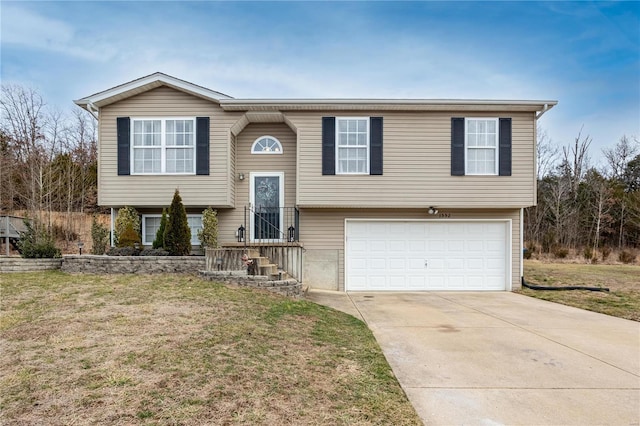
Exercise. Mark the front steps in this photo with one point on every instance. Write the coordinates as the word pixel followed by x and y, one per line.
pixel 262 273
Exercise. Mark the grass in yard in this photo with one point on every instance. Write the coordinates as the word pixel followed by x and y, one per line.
pixel 622 301
pixel 174 349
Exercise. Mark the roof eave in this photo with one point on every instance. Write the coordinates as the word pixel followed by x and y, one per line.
pixel 385 104
pixel 148 82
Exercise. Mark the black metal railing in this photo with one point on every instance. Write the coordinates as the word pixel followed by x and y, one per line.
pixel 275 233
pixel 271 224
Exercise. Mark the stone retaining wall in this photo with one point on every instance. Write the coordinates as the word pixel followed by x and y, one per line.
pixel 289 287
pixel 133 264
pixel 18 264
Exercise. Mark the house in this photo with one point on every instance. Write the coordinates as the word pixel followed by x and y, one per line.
pixel 381 194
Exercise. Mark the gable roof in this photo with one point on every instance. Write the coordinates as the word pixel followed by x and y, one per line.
pixel 144 84
pixel 158 79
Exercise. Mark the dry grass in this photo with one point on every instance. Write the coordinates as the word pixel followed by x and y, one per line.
pixel 174 349
pixel 623 300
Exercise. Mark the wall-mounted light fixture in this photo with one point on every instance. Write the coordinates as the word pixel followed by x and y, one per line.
pixel 432 210
pixel 240 176
pixel 240 233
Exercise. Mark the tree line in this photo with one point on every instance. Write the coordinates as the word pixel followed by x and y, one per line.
pixel 48 164
pixel 582 206
pixel 48 159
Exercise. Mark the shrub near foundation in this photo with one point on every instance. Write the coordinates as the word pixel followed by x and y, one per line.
pixel 177 237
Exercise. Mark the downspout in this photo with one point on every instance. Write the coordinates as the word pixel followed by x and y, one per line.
pixel 521 243
pixel 92 110
pixel 541 113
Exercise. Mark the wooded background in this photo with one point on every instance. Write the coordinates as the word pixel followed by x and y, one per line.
pixel 48 166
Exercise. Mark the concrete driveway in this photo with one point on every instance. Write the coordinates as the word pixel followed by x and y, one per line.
pixel 503 358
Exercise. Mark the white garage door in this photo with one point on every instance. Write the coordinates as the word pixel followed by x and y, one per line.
pixel 427 255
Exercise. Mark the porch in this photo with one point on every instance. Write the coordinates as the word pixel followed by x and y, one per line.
pixel 267 244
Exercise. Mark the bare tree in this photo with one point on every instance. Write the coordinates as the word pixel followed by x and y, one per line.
pixel 23 121
pixel 547 153
pixel 575 161
pixel 620 155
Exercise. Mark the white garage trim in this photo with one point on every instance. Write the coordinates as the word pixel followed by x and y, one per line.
pixel 498 282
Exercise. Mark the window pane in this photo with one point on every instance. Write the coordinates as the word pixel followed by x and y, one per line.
pixel 146 160
pixel 179 160
pixel 151 226
pixel 362 126
pixel 342 125
pixel 195 224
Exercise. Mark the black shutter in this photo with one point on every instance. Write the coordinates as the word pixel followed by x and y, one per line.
pixel 124 146
pixel 457 146
pixel 375 146
pixel 202 145
pixel 328 145
pixel 504 153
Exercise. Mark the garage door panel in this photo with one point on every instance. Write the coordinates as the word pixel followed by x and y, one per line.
pixel 391 255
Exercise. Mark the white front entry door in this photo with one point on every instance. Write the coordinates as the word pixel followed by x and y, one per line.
pixel 266 193
pixel 383 255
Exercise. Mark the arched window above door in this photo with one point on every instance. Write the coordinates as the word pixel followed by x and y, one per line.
pixel 266 145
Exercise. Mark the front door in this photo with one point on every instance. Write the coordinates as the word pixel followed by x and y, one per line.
pixel 267 200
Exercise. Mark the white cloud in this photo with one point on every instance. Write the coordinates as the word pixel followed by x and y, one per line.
pixel 27 29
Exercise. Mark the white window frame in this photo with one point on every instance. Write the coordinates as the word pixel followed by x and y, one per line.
pixel 163 146
pixel 144 228
pixel 255 143
pixel 194 238
pixel 495 148
pixel 338 146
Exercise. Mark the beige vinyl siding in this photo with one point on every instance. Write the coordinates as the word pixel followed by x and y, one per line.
pixel 157 190
pixel 245 163
pixel 323 229
pixel 416 172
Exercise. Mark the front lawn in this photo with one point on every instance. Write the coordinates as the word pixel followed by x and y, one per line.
pixel 175 349
pixel 622 301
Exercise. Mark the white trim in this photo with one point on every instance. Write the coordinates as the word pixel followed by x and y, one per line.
pixel 143 225
pixel 508 285
pixel 112 233
pixel 153 78
pixel 253 145
pixel 252 176
pixel 163 146
pixel 495 148
pixel 337 146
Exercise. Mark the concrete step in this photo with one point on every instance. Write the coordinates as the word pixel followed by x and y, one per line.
pixel 253 253
pixel 268 269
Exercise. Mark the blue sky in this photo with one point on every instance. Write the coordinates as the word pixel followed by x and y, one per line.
pixel 585 55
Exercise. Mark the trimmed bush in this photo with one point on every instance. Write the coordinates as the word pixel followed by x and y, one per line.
pixel 158 242
pixel 129 238
pixel 99 237
pixel 37 243
pixel 177 237
pixel 126 216
pixel 208 235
